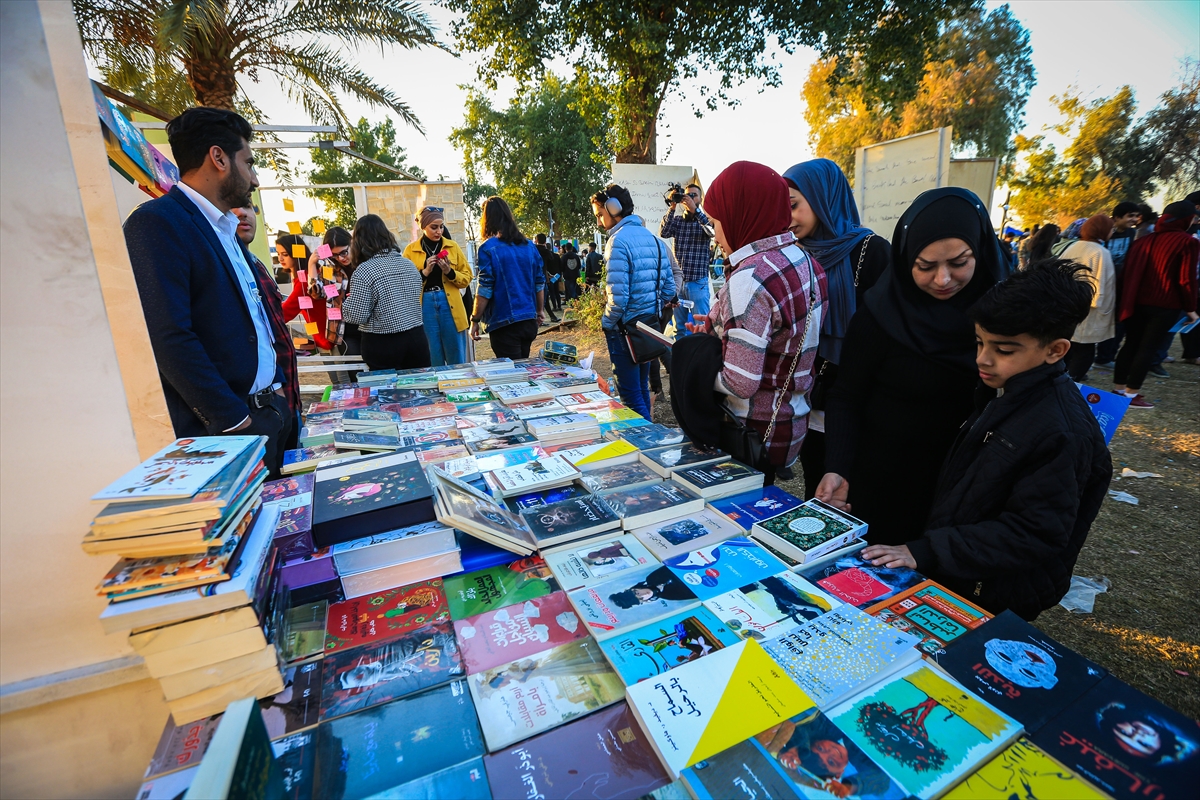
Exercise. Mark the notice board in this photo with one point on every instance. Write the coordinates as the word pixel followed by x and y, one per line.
pixel 888 176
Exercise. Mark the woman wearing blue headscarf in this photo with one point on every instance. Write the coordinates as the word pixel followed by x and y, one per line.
pixel 825 221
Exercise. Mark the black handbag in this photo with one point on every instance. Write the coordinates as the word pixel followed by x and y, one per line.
pixel 643 347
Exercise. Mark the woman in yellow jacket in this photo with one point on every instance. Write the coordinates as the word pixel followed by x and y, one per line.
pixel 444 270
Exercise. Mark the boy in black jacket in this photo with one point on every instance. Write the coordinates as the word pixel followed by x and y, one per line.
pixel 1020 488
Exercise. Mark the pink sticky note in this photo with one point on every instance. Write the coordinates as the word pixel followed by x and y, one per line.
pixel 324 251
pixel 302 276
pixel 334 313
pixel 305 301
pixel 331 290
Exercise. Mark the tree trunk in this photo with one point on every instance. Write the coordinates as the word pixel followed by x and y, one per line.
pixel 640 123
pixel 213 79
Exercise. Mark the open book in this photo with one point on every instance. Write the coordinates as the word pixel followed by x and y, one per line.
pixel 655 333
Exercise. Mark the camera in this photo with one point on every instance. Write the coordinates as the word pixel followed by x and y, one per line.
pixel 673 194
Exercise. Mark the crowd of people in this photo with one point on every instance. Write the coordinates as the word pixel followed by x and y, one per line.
pixel 926 385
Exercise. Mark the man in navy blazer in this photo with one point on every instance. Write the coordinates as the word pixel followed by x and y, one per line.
pixel 202 299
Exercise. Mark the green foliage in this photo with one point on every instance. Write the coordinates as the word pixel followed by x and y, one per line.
pixel 376 141
pixel 307 227
pixel 473 196
pixel 977 76
pixel 541 152
pixel 589 306
pixel 635 53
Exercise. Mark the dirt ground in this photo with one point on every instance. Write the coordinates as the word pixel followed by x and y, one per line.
pixel 1146 628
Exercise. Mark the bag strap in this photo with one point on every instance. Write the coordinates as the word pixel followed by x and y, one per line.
pixel 812 296
pixel 861 255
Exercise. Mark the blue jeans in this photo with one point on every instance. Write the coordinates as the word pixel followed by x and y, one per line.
pixel 698 292
pixel 445 342
pixel 633 380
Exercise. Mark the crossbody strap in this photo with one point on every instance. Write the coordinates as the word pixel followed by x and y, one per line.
pixel 779 393
pixel 862 253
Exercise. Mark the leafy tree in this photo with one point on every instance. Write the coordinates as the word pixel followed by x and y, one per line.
pixel 473 196
pixel 541 151
pixel 332 166
pixel 1172 130
pixel 977 77
pixel 637 52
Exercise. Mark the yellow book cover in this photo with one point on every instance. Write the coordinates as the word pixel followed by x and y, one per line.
pixel 706 706
pixel 456 384
pixel 1024 770
pixel 604 452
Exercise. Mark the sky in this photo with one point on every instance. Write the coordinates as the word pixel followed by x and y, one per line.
pixel 1097 46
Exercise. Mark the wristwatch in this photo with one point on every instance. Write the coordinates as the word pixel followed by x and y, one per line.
pixel 475 319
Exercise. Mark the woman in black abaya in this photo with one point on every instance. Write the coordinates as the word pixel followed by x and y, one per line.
pixel 908 370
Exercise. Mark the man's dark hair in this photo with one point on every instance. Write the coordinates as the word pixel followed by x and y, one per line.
pixel 497 220
pixel 540 238
pixel 1149 215
pixel 371 238
pixel 620 193
pixel 196 130
pixel 1194 198
pixel 591 245
pixel 1125 207
pixel 695 186
pixel 1047 301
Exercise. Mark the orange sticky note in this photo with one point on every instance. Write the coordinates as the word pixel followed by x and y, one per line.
pixel 311 327
pixel 294 227
pixel 299 251
pixel 327 273
pixel 288 205
pixel 318 226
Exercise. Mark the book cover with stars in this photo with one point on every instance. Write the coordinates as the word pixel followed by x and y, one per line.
pixel 702 708
pixel 369 496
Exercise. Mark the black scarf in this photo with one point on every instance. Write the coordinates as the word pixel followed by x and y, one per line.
pixel 937 329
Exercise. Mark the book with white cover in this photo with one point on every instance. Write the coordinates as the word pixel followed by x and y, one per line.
pixel 683 534
pixel 392 547
pixel 521 393
pixel 477 434
pixel 588 562
pixel 537 474
pixel 537 408
pixel 543 426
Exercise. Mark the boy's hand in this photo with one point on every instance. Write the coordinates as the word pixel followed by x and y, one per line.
pixel 834 489
pixel 890 557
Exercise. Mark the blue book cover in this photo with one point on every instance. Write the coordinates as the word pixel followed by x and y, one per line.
pixel 723 567
pixel 1108 407
pixel 753 506
pixel 545 497
pixel 648 437
pixel 465 781
pixel 653 649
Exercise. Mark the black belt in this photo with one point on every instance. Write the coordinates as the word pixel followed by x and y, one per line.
pixel 431 289
pixel 262 399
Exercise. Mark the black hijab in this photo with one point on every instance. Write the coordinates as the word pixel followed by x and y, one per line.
pixel 937 329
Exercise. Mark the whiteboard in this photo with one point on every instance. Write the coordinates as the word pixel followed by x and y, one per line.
pixel 888 176
pixel 646 183
pixel 976 174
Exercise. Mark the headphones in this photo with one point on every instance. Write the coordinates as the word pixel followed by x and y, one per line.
pixel 612 205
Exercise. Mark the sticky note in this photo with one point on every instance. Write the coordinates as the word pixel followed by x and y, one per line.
pixel 318 226
pixel 288 205
pixel 331 290
pixel 305 301
pixel 302 276
pixel 324 251
pixel 311 327
pixel 327 273
pixel 334 313
pixel 299 251
pixel 294 227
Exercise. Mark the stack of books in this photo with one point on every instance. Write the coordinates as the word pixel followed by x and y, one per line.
pixel 564 428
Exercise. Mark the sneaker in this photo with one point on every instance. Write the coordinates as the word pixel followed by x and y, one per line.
pixel 1158 371
pixel 1106 365
pixel 1140 401
pixel 1169 360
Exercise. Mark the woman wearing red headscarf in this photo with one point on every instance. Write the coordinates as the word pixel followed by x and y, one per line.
pixel 768 313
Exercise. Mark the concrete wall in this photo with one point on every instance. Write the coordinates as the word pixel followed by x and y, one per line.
pixel 398 203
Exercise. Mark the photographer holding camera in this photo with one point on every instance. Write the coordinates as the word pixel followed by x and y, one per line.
pixel 691 230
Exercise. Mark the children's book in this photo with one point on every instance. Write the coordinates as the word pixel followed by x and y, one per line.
pixel 861 583
pixel 377 618
pixel 585 563
pixel 525 697
pixel 181 469
pixel 842 652
pixel 771 607
pixel 603 755
pixel 926 731
pixel 1020 670
pixel 368 676
pixel 716 569
pixel 631 598
pixel 702 708
pixel 362 754
pixel 497 587
pixel 681 638
pixel 809 531
pixel 683 534
pixel 496 637
pixel 1024 770
pixel 571 520
pixel 756 505
pixel 934 613
pixel 298 706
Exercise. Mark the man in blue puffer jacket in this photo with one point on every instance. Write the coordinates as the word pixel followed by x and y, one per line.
pixel 640 284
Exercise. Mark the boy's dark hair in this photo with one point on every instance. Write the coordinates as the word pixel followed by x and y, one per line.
pixel 591 245
pixel 1126 207
pixel 497 220
pixel 620 193
pixel 1047 301
pixel 193 132
pixel 371 238
pixel 540 238
pixel 1149 215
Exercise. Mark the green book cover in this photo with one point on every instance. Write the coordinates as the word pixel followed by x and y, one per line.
pixel 805 527
pixel 499 586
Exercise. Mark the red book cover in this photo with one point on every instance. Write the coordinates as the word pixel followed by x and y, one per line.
pixel 384 616
pixel 428 412
pixel 854 586
pixel 507 634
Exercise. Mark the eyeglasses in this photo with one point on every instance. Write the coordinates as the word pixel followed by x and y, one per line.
pixel 343 253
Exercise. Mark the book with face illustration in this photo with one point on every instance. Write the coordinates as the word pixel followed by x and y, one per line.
pixel 570 520
pixel 631 598
pixel 651 650
pixel 771 607
pixel 585 563
pixel 496 637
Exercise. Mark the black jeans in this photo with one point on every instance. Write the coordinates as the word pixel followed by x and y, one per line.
pixel 1079 360
pixel 273 420
pixel 1191 344
pixel 513 340
pixel 404 350
pixel 1144 332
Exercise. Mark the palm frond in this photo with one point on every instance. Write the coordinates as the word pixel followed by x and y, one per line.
pixel 391 22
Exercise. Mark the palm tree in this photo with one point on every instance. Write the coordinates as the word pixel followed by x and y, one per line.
pixel 175 54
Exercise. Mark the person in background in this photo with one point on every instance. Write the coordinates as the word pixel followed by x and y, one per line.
pixel 593 266
pixel 1090 252
pixel 1125 217
pixel 664 361
pixel 342 335
pixel 552 266
pixel 768 314
pixel 385 299
pixel 572 269
pixel 512 283
pixel 688 226
pixel 908 369
pixel 1041 243
pixel 640 285
pixel 287 245
pixel 1158 284
pixel 442 309
pixel 1023 246
pixel 285 349
pixel 826 224
pixel 1147 216
pixel 202 299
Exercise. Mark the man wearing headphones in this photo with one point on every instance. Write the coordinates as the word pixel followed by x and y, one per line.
pixel 640 284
